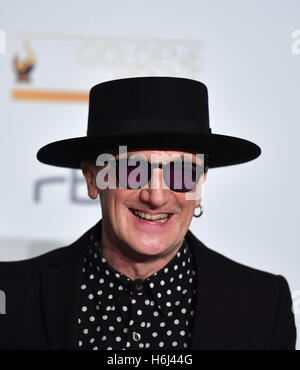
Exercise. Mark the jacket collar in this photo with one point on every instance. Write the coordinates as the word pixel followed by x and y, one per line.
pixel 60 292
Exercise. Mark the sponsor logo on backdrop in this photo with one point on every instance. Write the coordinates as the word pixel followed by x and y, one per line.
pixel 87 58
pixel 24 66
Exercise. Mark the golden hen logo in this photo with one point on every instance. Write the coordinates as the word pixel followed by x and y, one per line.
pixel 23 67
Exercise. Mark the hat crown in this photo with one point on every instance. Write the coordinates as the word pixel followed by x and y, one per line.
pixel 148 104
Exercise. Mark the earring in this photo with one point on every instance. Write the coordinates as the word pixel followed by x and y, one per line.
pixel 201 211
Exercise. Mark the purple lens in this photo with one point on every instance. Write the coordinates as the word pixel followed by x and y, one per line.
pixel 181 176
pixel 132 175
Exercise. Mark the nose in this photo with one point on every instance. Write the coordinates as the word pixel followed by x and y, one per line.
pixel 155 195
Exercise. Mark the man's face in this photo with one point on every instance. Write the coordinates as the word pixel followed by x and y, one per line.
pixel 122 226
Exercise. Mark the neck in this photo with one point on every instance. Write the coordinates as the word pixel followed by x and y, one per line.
pixel 132 264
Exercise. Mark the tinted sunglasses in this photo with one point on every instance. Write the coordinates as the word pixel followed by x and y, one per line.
pixel 179 176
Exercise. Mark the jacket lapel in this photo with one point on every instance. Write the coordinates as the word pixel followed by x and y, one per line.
pixel 60 297
pixel 207 298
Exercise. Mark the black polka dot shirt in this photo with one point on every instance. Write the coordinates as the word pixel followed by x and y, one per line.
pixel 119 313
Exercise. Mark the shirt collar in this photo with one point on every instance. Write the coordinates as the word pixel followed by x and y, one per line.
pixel 176 278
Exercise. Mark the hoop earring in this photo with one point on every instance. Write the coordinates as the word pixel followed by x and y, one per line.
pixel 201 211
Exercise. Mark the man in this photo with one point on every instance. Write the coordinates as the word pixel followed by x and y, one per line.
pixel 139 279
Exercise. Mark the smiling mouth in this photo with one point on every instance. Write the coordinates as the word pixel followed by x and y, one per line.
pixel 159 217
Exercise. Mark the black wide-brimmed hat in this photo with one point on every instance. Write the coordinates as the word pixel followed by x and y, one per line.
pixel 167 113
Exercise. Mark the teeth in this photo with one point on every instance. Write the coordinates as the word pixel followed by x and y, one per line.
pixel 161 217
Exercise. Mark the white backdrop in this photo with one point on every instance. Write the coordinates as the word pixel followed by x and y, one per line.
pixel 247 53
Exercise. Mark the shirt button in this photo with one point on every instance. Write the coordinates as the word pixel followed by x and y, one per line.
pixel 136 336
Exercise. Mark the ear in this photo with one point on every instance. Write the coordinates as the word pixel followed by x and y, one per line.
pixel 202 182
pixel 89 172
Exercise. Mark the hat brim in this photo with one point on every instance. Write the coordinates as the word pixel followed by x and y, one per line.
pixel 223 150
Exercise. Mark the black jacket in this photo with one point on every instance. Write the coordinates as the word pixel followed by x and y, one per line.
pixel 237 307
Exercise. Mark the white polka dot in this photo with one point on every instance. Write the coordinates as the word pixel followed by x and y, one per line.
pixel 151 285
pixel 162 324
pixel 101 281
pixel 169 292
pixel 172 279
pixel 104 338
pixel 170 313
pixel 80 343
pixel 161 344
pixel 168 304
pixel 166 270
pixel 133 301
pixel 91 276
pixel 98 329
pixel 110 296
pixel 176 322
pixel 174 344
pixel 119 318
pixel 83 286
pixel 182 333
pixel 155 313
pixel 124 308
pixel 147 302
pixel 148 324
pixel 95 348
pixel 107 272
pixel 104 317
pixel 162 282
pixel 147 345
pixel 183 310
pixel 92 340
pixel 84 309
pixel 92 318
pixel 85 331
pixel 159 295
pixel 109 348
pixel 141 345
pixel 118 339
pixel 139 312
pixel 175 267
pixel 154 334
pixel 120 287
pixel 177 303
pixel 178 288
pixel 169 332
pixel 143 324
pixel 99 292
pixel 91 296
pixel 111 328
pixel 111 285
